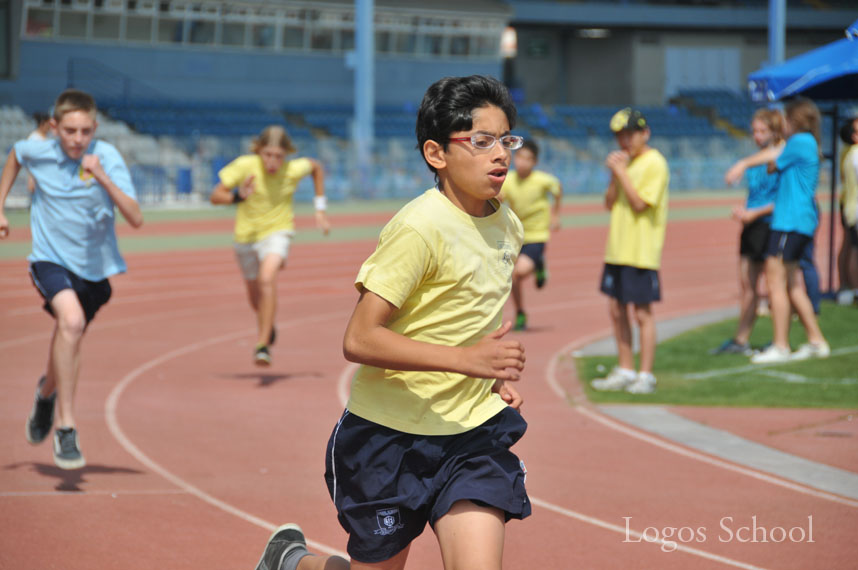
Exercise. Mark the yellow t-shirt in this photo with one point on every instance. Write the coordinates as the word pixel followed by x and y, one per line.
pixel 528 198
pixel 269 208
pixel 849 195
pixel 449 275
pixel 636 239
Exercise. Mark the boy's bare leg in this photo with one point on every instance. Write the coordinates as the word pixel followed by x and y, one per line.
pixel 252 294
pixel 646 325
pixel 622 333
pixel 776 276
pixel 524 267
pixel 749 275
pixel 64 358
pixel 266 284
pixel 802 305
pixel 471 537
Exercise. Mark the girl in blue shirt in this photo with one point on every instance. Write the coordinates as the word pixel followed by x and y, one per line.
pixel 794 222
pixel 755 217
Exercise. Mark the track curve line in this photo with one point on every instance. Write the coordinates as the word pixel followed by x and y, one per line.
pixel 590 411
pixel 113 426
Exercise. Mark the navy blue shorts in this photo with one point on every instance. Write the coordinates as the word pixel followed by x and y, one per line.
pixel 789 246
pixel 386 484
pixel 50 278
pixel 536 252
pixel 754 241
pixel 629 284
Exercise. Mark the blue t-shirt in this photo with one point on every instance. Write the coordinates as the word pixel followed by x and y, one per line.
pixel 762 187
pixel 72 215
pixel 795 206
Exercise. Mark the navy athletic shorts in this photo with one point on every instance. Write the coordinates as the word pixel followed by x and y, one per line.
pixel 754 241
pixel 387 484
pixel 536 252
pixel 789 246
pixel 629 284
pixel 50 278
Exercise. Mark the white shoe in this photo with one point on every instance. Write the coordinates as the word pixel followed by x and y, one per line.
pixel 810 350
pixel 845 297
pixel 771 355
pixel 644 384
pixel 617 380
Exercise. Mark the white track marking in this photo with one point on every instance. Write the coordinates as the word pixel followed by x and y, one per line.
pixel 115 430
pixel 551 378
pixel 752 367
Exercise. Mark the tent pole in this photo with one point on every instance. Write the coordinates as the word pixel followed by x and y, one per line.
pixel 832 216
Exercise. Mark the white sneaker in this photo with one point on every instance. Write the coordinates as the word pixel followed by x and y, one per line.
pixel 771 355
pixel 617 380
pixel 810 350
pixel 845 297
pixel 644 384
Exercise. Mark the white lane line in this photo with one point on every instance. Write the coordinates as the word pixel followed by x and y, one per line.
pixel 551 378
pixel 342 394
pixel 115 429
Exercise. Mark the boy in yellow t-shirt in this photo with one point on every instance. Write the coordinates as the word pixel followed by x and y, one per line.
pixel 263 185
pixel 847 258
pixel 637 199
pixel 527 192
pixel 427 432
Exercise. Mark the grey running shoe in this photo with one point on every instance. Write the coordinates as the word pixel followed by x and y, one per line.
pixel 732 347
pixel 67 453
pixel 284 540
pixel 41 418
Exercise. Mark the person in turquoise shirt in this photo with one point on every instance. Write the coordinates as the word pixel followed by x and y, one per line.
pixel 79 182
pixel 794 222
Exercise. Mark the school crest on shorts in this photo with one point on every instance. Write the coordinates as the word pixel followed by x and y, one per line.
pixel 388 521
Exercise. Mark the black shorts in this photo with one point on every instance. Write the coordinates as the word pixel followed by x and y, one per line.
pixel 789 246
pixel 629 284
pixel 536 252
pixel 386 484
pixel 50 278
pixel 754 241
pixel 852 235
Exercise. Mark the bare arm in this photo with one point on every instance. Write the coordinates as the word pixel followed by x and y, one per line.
pixel 555 210
pixel 618 162
pixel 764 156
pixel 611 193
pixel 7 178
pixel 223 195
pixel 369 341
pixel 747 216
pixel 128 206
pixel 318 174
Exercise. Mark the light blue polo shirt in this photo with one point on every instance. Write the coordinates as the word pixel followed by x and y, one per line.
pixel 71 215
pixel 795 206
pixel 762 187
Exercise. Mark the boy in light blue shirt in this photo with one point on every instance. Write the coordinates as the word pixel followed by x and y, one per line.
pixel 79 181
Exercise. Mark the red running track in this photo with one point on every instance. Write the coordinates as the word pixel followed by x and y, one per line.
pixel 193 453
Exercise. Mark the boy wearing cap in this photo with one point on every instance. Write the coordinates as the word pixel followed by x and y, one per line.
pixel 637 198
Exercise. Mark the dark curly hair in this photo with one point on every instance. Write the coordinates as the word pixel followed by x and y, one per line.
pixel 448 107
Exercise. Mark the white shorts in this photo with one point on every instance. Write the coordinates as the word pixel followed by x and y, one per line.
pixel 249 255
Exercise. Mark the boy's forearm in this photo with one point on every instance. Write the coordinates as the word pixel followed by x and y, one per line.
pixel 128 206
pixel 384 348
pixel 635 201
pixel 318 179
pixel 611 193
pixel 7 178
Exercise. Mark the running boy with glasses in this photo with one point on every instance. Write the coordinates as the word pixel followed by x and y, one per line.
pixel 427 432
pixel 79 181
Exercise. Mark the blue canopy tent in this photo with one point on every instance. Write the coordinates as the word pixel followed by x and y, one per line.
pixel 826 73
